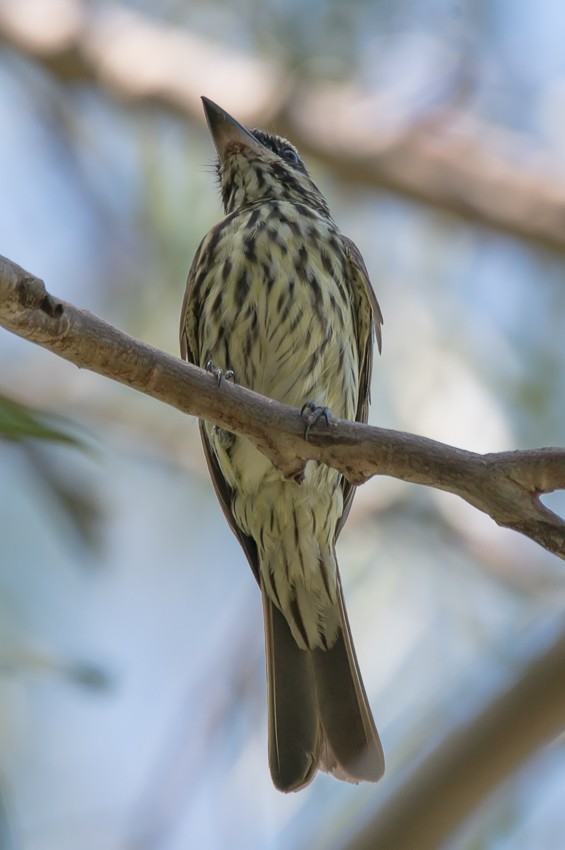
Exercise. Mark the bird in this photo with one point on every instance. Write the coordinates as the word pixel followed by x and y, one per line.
pixel 278 300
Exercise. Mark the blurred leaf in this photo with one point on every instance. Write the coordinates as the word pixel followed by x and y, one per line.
pixel 82 673
pixel 33 429
pixel 91 676
pixel 73 492
pixel 19 422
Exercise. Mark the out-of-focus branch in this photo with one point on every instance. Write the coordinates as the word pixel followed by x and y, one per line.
pixel 473 760
pixel 9 839
pixel 505 485
pixel 147 61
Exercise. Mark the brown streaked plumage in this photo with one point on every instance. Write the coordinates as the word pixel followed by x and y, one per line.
pixel 277 295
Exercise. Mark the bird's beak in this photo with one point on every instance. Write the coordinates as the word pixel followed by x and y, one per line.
pixel 226 132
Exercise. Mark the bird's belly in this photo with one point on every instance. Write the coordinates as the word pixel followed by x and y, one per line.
pixel 294 355
pixel 282 320
pixel 284 324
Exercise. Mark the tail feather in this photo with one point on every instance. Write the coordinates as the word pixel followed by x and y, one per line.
pixel 353 750
pixel 294 729
pixel 319 716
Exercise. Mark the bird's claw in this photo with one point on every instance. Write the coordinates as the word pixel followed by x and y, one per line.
pixel 312 413
pixel 219 374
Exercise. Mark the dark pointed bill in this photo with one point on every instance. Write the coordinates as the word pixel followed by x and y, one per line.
pixel 226 131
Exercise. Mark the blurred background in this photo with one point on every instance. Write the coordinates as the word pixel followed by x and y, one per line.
pixel 132 685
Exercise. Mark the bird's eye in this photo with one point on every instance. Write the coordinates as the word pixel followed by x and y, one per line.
pixel 291 156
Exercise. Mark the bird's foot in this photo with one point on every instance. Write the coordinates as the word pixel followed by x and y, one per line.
pixel 219 374
pixel 312 413
pixel 224 439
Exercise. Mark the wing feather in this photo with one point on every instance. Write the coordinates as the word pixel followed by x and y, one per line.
pixel 369 320
pixel 189 351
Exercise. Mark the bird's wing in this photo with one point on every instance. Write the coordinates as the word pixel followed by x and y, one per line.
pixel 189 351
pixel 364 292
pixel 369 319
pixel 225 496
pixel 188 332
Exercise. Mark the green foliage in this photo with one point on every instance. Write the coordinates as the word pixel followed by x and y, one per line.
pixel 20 422
pixel 34 430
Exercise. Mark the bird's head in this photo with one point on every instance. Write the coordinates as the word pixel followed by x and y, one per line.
pixel 255 166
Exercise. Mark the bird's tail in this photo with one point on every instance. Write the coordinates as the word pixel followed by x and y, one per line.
pixel 319 716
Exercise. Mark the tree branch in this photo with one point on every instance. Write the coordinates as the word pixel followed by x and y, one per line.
pixel 505 485
pixel 462 171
